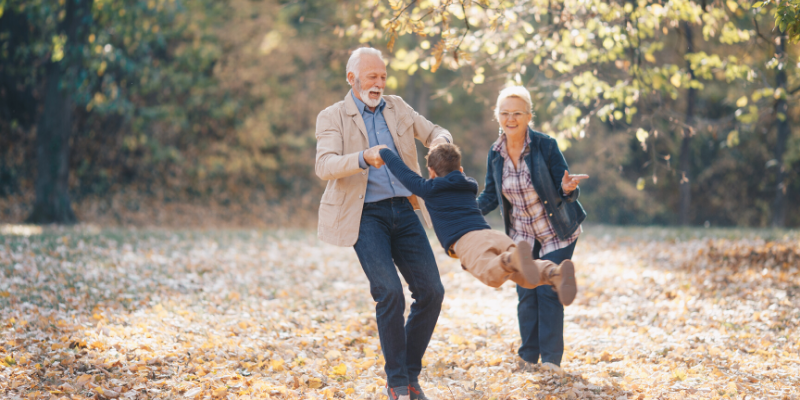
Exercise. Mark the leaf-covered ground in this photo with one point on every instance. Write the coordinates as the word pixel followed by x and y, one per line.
pixel 661 314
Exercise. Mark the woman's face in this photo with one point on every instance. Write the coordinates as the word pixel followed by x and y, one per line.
pixel 514 116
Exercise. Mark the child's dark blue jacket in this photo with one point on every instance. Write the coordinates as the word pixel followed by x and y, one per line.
pixel 450 200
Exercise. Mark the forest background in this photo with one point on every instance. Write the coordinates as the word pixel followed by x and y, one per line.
pixel 165 112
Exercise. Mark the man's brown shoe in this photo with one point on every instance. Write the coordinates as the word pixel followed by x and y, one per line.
pixel 522 261
pixel 563 280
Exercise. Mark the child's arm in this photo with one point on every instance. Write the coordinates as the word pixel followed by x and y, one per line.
pixel 410 179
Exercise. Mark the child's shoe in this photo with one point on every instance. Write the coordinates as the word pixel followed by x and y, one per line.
pixel 562 277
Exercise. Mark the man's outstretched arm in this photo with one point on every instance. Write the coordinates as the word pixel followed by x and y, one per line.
pixel 426 131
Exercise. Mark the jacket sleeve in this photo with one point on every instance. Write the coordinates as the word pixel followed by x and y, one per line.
pixel 410 179
pixel 487 200
pixel 330 162
pixel 425 131
pixel 558 164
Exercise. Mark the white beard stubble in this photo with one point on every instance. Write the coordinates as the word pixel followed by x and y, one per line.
pixel 365 94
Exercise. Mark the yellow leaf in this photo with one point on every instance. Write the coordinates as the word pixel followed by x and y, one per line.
pixel 367 363
pixel 675 80
pixel 270 42
pixel 340 369
pixel 276 364
pixel 527 27
pixel 650 58
pixel 733 141
pixel 741 102
pixel 732 5
pixel 642 135
pixel 333 354
pixel 456 339
pixel 314 383
pixel 640 184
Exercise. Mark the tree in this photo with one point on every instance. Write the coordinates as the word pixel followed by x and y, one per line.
pixel 55 125
pixel 594 60
pixel 687 133
pixel 127 69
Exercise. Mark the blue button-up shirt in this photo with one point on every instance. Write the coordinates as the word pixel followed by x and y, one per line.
pixel 381 184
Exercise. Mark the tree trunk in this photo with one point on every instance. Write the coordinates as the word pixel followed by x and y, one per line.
pixel 784 130
pixel 684 212
pixel 52 154
pixel 55 124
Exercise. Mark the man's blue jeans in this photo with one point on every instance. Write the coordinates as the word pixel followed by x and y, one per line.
pixel 541 315
pixel 391 234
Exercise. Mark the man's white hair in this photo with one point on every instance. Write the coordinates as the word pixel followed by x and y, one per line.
pixel 355 59
pixel 513 91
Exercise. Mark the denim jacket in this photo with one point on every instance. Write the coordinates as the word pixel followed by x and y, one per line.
pixel 547 166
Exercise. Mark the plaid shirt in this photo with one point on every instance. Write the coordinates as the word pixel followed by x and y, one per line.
pixel 528 217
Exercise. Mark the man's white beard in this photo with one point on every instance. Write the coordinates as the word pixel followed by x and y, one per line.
pixel 365 95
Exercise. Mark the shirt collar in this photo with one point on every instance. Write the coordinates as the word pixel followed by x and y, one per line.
pixel 362 107
pixel 501 143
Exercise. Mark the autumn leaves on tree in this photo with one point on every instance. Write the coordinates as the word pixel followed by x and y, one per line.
pixel 626 65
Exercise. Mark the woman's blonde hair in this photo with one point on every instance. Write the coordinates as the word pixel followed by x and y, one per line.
pixel 513 91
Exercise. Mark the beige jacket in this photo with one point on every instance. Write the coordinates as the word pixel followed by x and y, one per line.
pixel 341 135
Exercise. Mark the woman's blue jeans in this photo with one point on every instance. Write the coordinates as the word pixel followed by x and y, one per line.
pixel 541 315
pixel 391 234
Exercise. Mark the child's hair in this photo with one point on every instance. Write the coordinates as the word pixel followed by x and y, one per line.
pixel 444 159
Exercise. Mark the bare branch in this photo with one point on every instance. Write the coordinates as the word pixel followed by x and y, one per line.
pixel 403 10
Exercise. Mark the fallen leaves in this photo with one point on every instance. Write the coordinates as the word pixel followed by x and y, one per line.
pixel 243 314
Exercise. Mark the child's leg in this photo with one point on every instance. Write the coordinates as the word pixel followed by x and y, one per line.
pixel 493 258
pixel 560 276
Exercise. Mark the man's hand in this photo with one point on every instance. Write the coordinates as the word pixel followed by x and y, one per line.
pixel 439 140
pixel 570 182
pixel 372 156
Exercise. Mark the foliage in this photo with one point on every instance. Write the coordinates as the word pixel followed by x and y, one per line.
pixel 787 17
pixel 216 103
pixel 593 66
pixel 275 314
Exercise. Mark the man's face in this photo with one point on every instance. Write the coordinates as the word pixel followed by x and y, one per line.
pixel 371 80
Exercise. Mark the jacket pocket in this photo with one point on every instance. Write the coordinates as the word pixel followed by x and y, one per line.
pixel 329 207
pixel 404 125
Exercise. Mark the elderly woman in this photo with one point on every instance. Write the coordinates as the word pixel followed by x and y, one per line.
pixel 528 178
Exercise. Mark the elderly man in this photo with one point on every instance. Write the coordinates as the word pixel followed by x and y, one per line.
pixel 364 206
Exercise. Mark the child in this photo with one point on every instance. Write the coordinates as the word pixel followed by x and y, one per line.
pixel 489 255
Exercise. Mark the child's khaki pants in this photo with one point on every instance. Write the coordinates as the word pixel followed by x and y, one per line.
pixel 485 254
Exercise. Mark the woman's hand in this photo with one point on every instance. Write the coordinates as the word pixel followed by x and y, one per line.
pixel 570 182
